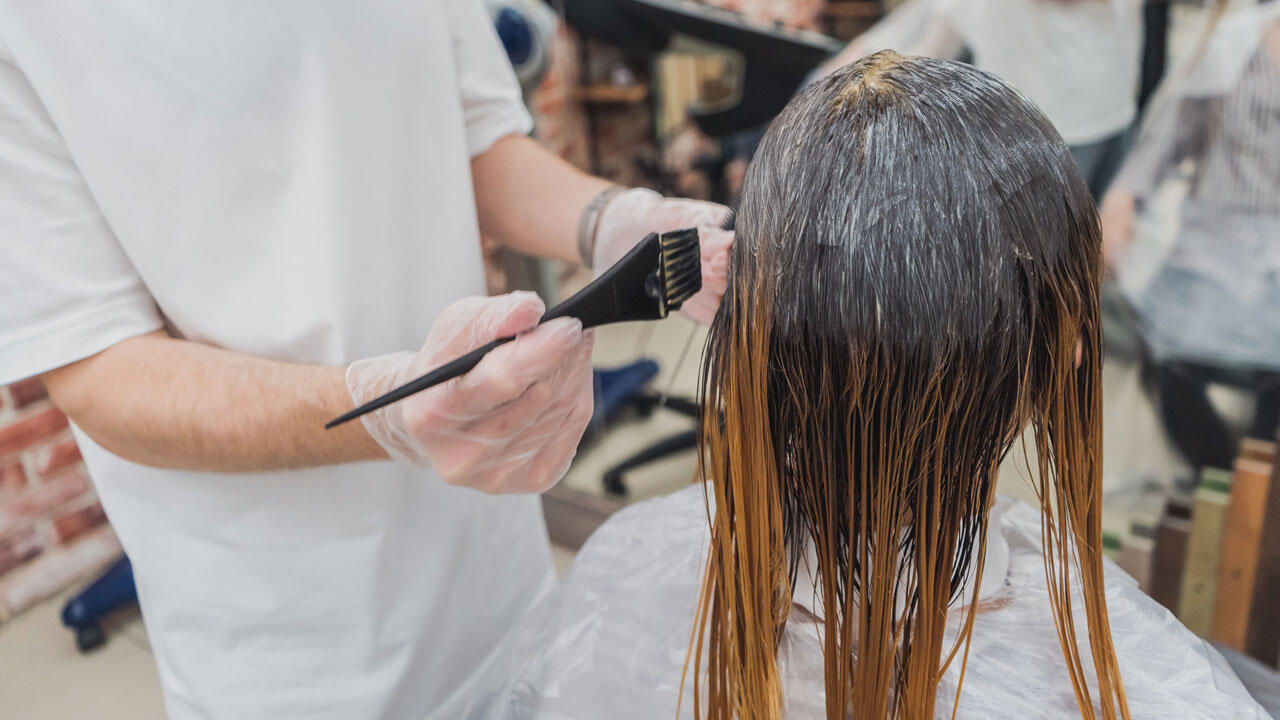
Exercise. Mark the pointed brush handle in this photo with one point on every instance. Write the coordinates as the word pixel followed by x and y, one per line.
pixel 585 305
pixel 448 371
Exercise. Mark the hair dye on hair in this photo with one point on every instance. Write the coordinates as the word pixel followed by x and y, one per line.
pixel 916 258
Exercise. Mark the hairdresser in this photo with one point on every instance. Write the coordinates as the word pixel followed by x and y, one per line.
pixel 1078 60
pixel 222 225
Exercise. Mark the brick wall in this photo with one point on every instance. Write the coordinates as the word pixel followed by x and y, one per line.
pixel 52 528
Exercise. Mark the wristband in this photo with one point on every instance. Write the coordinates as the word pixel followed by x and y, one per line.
pixel 590 220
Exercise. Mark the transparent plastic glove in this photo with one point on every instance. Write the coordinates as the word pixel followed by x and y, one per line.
pixel 638 211
pixel 511 424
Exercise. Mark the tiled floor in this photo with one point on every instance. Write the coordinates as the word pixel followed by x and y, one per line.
pixel 43 677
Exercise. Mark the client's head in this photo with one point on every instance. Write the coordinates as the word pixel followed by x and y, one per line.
pixel 915 265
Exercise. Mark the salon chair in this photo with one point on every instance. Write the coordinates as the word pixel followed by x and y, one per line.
pixel 679 442
pixel 625 389
pixel 83 613
pixel 617 389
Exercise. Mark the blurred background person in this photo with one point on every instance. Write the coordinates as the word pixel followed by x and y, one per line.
pixel 1207 162
pixel 1078 60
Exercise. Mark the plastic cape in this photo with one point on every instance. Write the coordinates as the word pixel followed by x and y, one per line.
pixel 1203 270
pixel 611 642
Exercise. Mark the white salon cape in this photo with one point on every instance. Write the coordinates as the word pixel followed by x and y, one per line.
pixel 612 639
pixel 287 179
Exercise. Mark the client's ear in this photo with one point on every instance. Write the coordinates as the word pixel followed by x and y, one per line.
pixel 1079 351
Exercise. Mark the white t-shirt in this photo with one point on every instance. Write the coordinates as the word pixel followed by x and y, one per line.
pixel 1078 60
pixel 289 180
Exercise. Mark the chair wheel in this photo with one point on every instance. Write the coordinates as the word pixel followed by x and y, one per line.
pixel 645 404
pixel 90 637
pixel 614 485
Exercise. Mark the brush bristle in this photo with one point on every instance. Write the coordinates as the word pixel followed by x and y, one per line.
pixel 681 266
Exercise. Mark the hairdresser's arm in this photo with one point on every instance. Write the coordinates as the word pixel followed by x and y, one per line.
pixel 173 403
pixel 530 200
pixel 509 425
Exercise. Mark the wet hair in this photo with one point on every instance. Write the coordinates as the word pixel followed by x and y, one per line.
pixel 916 259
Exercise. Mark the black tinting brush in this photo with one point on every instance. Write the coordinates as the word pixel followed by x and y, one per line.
pixel 648 283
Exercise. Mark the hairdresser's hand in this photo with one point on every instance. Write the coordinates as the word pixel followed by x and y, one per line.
pixel 1117 214
pixel 511 424
pixel 637 212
